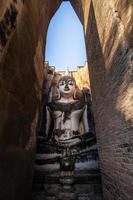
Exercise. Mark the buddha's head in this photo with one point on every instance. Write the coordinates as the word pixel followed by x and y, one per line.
pixel 67 86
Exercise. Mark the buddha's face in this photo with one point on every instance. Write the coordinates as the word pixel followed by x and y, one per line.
pixel 66 86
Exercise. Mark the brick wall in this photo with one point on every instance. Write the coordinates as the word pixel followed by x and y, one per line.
pixel 23 29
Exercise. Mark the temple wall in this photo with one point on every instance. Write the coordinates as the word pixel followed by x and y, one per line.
pixel 23 29
pixel 82 77
pixel 109 42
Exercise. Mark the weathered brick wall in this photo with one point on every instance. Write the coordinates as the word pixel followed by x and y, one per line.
pixel 108 29
pixel 23 28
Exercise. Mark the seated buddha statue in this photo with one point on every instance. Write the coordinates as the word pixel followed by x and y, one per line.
pixel 70 113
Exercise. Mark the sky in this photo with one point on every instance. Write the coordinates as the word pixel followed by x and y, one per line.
pixel 65 46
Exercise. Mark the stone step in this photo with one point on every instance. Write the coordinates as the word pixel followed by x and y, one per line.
pixel 79 166
pixel 76 192
pixel 50 183
pixel 90 176
pixel 67 196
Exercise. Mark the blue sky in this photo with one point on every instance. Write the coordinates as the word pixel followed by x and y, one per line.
pixel 65 45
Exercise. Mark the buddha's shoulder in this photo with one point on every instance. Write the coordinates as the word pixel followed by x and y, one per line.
pixel 66 106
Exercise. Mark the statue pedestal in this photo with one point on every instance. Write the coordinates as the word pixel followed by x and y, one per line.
pixel 66 196
pixel 67 189
pixel 67 183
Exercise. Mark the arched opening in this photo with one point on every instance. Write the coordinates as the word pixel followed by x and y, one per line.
pixel 65 45
pixel 66 147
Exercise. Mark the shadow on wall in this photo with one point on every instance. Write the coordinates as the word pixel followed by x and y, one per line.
pixel 18 112
pixel 111 87
pixel 95 57
pixel 19 103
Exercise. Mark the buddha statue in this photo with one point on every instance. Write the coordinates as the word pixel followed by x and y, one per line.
pixel 71 114
pixel 66 136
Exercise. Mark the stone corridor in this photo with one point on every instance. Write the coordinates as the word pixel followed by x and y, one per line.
pixel 108 30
